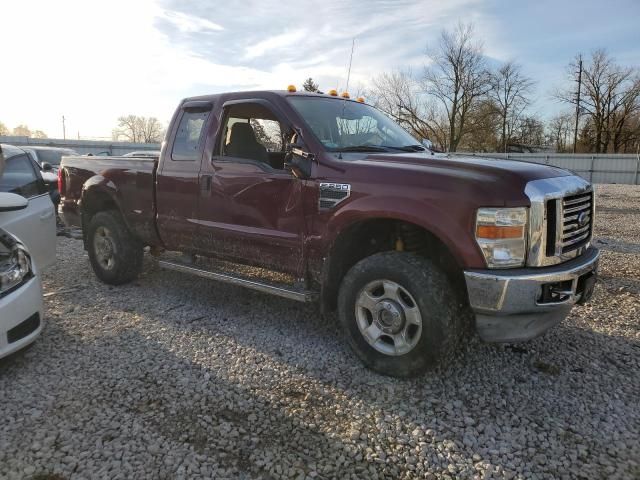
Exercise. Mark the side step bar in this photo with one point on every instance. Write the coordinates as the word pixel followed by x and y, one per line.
pixel 290 293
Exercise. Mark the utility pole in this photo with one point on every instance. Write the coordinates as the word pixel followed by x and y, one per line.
pixel 64 130
pixel 575 131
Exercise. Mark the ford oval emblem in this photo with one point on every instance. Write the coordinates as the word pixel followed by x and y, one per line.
pixel 583 219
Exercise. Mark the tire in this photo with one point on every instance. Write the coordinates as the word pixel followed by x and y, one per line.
pixel 403 348
pixel 115 254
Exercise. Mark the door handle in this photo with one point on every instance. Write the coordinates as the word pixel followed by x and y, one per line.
pixel 205 185
pixel 46 216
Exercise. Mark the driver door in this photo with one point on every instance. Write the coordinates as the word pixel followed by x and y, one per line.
pixel 250 207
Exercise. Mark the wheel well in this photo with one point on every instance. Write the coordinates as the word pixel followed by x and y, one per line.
pixel 368 237
pixel 93 203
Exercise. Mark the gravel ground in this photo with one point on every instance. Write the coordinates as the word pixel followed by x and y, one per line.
pixel 175 377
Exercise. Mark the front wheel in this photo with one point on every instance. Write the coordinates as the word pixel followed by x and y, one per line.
pixel 115 254
pixel 401 313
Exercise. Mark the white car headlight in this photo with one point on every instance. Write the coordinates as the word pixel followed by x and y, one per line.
pixel 15 263
pixel 501 234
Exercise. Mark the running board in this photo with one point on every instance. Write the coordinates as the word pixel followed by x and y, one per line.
pixel 290 293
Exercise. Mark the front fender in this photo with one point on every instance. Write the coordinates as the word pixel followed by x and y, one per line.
pixel 454 233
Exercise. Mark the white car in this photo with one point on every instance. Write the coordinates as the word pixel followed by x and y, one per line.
pixel 34 225
pixel 21 304
pixel 26 212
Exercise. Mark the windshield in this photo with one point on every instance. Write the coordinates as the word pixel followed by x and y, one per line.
pixel 343 126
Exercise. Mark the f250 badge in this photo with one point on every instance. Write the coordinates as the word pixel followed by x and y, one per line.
pixel 331 194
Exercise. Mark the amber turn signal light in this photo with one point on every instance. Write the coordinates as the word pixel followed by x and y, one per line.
pixel 493 232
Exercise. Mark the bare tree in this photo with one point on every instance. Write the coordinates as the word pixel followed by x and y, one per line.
pixel 310 86
pixel 39 134
pixel 3 129
pixel 152 130
pixel 139 129
pixel 483 125
pixel 398 95
pixel 22 131
pixel 611 94
pixel 509 92
pixel 625 123
pixel 128 128
pixel 560 129
pixel 530 132
pixel 457 78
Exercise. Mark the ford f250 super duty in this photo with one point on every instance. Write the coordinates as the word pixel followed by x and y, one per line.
pixel 344 208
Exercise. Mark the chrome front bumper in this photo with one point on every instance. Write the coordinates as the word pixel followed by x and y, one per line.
pixel 520 304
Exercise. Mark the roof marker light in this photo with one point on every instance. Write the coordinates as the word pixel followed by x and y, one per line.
pixel 291 88
pixel 333 92
pixel 345 95
pixel 361 99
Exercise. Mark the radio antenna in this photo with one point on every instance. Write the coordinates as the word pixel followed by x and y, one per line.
pixel 353 44
pixel 344 99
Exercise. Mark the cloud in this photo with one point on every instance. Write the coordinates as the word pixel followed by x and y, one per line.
pixel 189 23
pixel 287 40
pixel 93 61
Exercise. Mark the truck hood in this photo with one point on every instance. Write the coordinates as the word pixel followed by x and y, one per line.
pixel 484 168
pixel 487 181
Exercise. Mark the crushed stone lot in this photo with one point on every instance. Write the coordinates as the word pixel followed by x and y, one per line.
pixel 176 377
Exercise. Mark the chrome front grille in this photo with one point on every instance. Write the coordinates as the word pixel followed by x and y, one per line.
pixel 577 213
pixel 560 219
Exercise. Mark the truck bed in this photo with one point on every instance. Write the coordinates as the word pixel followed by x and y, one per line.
pixel 126 182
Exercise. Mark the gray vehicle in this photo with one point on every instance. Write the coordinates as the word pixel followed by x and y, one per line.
pixel 44 155
pixel 48 159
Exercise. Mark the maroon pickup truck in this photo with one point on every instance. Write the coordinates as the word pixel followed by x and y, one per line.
pixel 336 203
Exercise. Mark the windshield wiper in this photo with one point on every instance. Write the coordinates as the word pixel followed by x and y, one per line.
pixel 406 148
pixel 363 148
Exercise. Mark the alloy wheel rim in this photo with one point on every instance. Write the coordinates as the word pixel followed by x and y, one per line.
pixel 388 317
pixel 104 248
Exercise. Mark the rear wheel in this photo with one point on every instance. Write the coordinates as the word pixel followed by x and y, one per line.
pixel 401 313
pixel 115 254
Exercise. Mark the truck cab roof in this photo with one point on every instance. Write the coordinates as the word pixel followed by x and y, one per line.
pixel 265 94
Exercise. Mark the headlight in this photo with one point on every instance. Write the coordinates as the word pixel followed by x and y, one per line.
pixel 15 263
pixel 501 234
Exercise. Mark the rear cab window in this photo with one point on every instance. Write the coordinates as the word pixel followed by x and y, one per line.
pixel 186 146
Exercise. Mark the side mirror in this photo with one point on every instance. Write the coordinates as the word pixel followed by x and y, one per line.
pixel 427 143
pixel 46 167
pixel 299 161
pixel 10 202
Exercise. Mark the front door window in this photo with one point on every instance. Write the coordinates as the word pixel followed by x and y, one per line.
pixel 253 133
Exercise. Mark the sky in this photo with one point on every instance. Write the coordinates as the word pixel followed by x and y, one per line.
pixel 95 60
